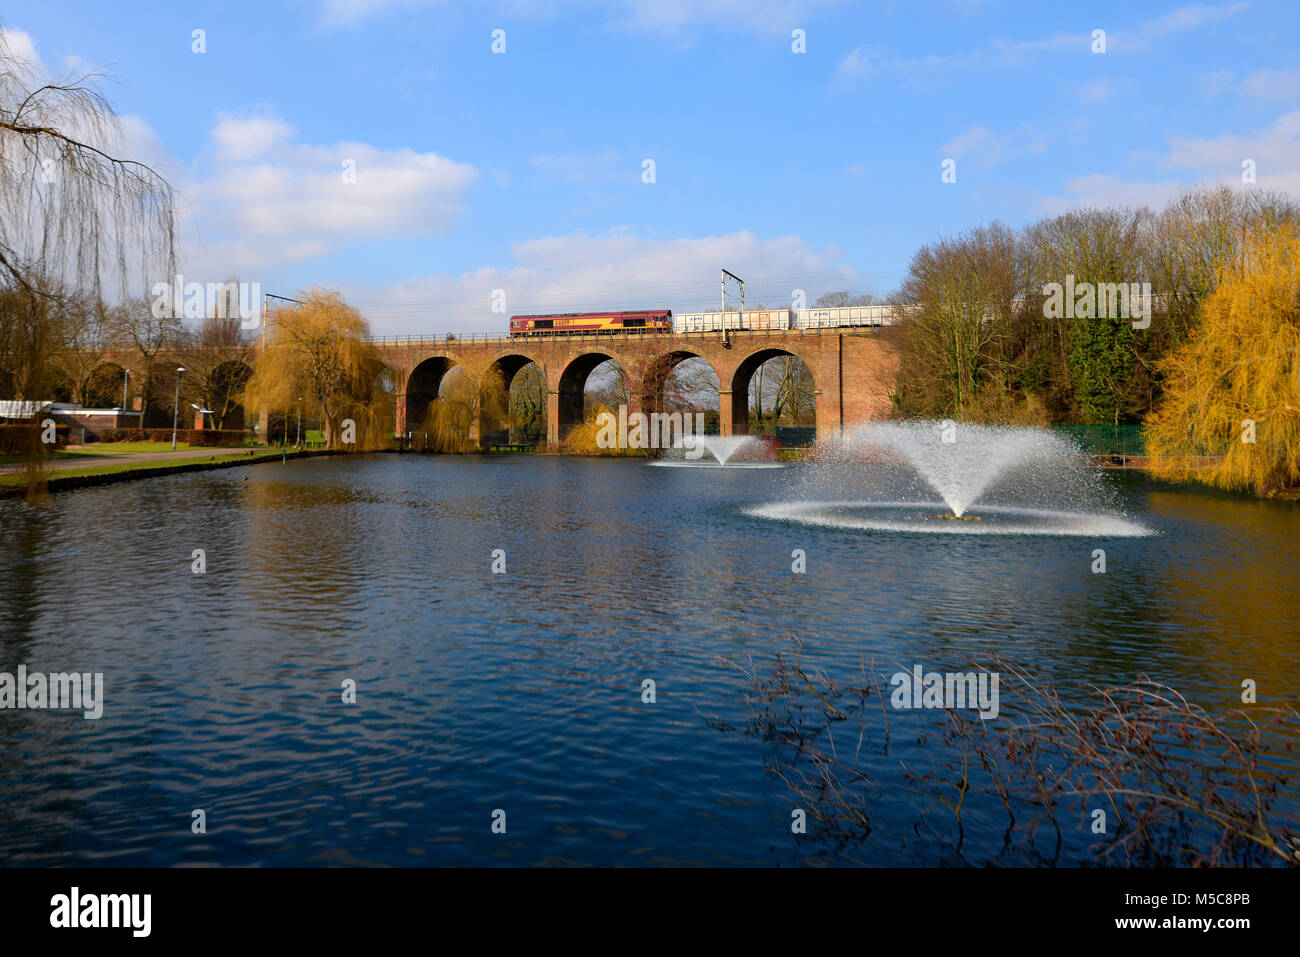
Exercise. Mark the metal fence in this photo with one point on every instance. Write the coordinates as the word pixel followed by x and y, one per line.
pixel 1108 439
pixel 451 341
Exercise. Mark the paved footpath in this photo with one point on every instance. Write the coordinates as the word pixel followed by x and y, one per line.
pixel 94 461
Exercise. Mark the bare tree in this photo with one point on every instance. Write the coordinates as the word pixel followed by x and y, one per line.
pixel 217 354
pixel 607 386
pixel 81 336
pixel 781 392
pixel 691 386
pixel 965 291
pixel 134 325
pixel 840 298
pixel 73 212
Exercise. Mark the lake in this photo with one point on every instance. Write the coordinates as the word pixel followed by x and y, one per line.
pixel 522 690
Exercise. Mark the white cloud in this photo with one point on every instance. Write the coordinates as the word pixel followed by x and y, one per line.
pixel 241 139
pixel 662 17
pixel 987 149
pixel 1098 189
pixel 860 63
pixel 1024 51
pixel 856 64
pixel 585 169
pixel 1272 84
pixel 271 200
pixel 671 17
pixel 1275 150
pixel 1099 91
pixel 935 68
pixel 22 47
pixel 616 269
pixel 1005 53
pixel 76 64
pixel 978 141
pixel 344 13
pixel 1190 17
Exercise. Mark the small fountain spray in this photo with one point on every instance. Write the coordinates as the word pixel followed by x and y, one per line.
pixel 720 448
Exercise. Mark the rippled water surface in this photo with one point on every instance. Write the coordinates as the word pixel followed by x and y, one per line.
pixel 522 691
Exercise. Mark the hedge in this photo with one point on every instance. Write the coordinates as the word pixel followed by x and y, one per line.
pixel 19 437
pixel 201 437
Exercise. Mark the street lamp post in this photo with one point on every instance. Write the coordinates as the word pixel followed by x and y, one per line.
pixel 121 419
pixel 299 442
pixel 176 406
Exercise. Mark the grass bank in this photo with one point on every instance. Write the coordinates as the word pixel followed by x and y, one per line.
pixel 16 483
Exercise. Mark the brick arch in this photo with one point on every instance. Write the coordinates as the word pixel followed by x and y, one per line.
pixel 571 381
pixel 423 382
pixel 657 368
pixel 743 372
pixel 104 385
pixel 494 390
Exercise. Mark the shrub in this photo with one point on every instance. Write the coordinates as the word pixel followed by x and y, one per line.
pixel 19 437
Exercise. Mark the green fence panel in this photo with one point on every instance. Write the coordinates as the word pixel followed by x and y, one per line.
pixel 1107 439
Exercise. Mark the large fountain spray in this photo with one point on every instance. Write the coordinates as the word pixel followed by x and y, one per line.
pixel 961 462
pixel 1021 481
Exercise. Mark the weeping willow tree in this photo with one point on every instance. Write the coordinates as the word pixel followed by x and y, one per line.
pixel 581 438
pixel 316 352
pixel 1234 387
pixel 77 219
pixel 448 422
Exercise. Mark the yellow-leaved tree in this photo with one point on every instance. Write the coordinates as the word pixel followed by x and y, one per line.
pixel 449 420
pixel 1233 389
pixel 316 351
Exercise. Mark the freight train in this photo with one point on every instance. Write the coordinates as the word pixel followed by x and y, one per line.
pixel 836 317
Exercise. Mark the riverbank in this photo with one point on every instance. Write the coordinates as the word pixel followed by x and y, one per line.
pixel 72 475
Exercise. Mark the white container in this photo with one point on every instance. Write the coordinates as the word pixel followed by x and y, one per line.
pixel 836 317
pixel 759 319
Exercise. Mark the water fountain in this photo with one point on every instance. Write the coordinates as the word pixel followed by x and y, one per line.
pixel 720 449
pixel 723 447
pixel 959 464
pixel 1018 481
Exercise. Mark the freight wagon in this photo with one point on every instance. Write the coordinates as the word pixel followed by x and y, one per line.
pixel 718 321
pixel 838 316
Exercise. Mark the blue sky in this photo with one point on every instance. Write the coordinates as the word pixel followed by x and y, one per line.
pixel 523 171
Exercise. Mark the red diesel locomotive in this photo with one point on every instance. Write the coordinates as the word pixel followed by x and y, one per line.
pixel 575 322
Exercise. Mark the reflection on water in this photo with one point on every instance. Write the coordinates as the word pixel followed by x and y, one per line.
pixel 522 690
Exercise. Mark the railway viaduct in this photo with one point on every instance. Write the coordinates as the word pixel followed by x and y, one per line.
pixel 853 371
